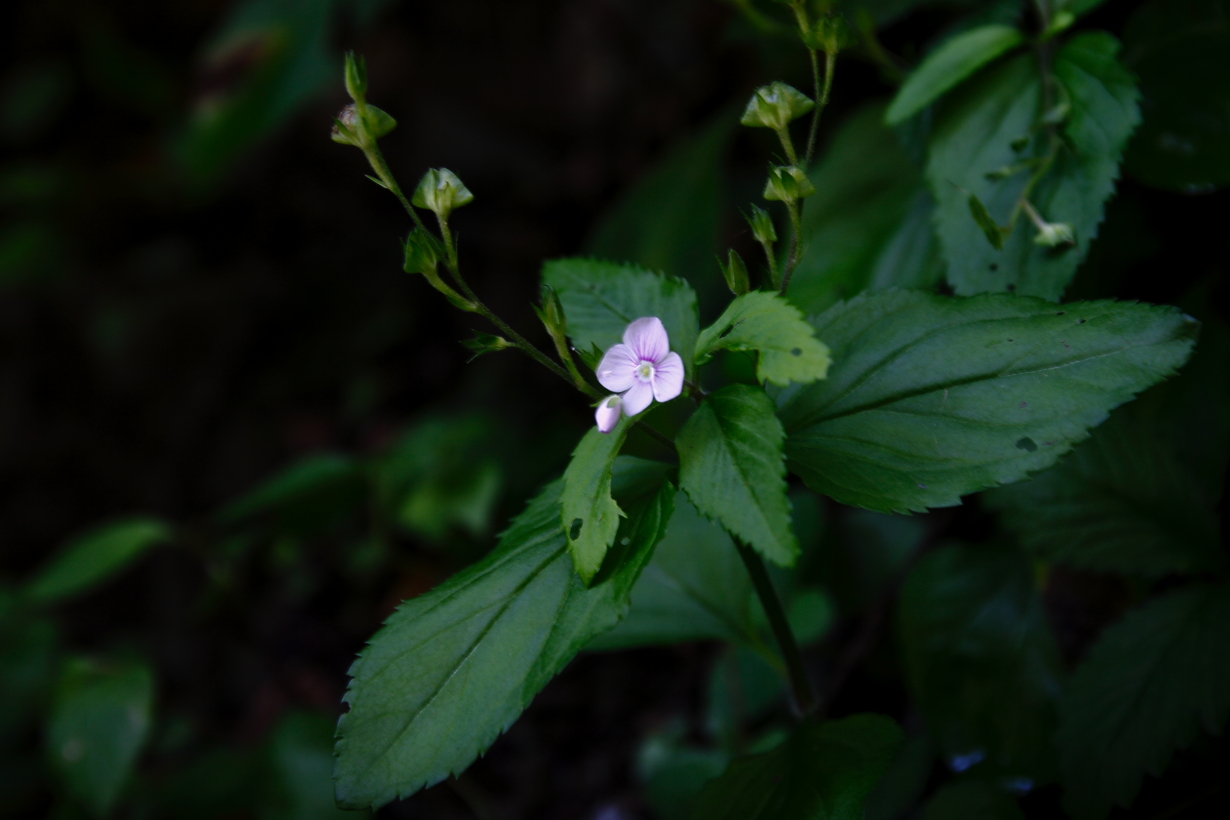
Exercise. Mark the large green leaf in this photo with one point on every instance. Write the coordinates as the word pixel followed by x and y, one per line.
pixel 765 322
pixel 1178 49
pixel 822 771
pixel 933 397
pixel 451 669
pixel 588 514
pixel 869 226
pixel 948 65
pixel 974 134
pixel 731 467
pixel 695 588
pixel 669 219
pixel 602 298
pixel 1150 685
pixel 980 661
pixel 93 558
pixel 1121 502
pixel 99 721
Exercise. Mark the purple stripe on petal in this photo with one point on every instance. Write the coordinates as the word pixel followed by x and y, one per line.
pixel 648 340
pixel 617 370
pixel 668 378
pixel 638 398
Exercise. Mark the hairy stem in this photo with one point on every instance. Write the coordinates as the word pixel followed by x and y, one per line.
pixel 796 244
pixel 804 695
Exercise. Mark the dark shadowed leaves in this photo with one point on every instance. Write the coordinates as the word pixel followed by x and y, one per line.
pixel 1150 685
pixel 93 558
pixel 932 397
pixel 980 661
pixel 822 771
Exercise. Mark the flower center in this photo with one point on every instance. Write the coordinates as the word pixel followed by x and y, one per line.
pixel 644 371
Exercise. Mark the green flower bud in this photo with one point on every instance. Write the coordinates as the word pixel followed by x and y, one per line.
pixel 423 252
pixel 829 34
pixel 762 226
pixel 1054 234
pixel 486 343
pixel 440 191
pixel 735 273
pixel 775 105
pixel 552 313
pixel 352 128
pixel 356 77
pixel 788 183
pixel 345 126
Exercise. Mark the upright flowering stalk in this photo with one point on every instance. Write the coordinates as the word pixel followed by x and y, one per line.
pixel 640 370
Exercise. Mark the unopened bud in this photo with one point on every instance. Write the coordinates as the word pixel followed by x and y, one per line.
pixel 775 105
pixel 344 127
pixel 552 313
pixel 356 77
pixel 829 34
pixel 762 226
pixel 788 183
pixel 486 343
pixel 735 273
pixel 422 253
pixel 1054 234
pixel 352 128
pixel 440 191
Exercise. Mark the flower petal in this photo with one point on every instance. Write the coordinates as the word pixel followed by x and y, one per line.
pixel 648 340
pixel 617 370
pixel 638 398
pixel 668 378
pixel 607 414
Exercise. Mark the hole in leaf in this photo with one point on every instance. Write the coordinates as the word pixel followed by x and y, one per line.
pixel 577 523
pixel 798 351
pixel 994 266
pixel 1081 322
pixel 1059 313
pixel 1027 444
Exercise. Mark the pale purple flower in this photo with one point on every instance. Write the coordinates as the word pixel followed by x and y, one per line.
pixel 641 369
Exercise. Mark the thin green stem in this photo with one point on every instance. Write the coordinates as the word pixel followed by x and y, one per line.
pixel 822 98
pixel 796 244
pixel 376 159
pixel 783 134
pixel 774 280
pixel 565 356
pixel 805 701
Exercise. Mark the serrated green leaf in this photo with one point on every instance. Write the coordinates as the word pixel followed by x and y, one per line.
pixel 1121 502
pixel 980 661
pixel 730 465
pixel 869 226
pixel 452 669
pixel 948 65
pixel 588 514
pixel 789 349
pixel 1149 686
pixel 1178 48
pixel 973 135
pixel 972 800
pixel 822 771
pixel 695 588
pixel 602 298
pixel 99 721
pixel 933 397
pixel 95 557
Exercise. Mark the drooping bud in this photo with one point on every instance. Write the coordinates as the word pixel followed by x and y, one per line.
pixel 356 77
pixel 440 191
pixel 762 226
pixel 607 414
pixel 788 183
pixel 485 343
pixel 1054 234
pixel 775 105
pixel 735 273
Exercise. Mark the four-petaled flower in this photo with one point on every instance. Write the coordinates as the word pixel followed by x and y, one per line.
pixel 641 369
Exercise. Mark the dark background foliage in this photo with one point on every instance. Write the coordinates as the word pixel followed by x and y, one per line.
pixel 188 307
